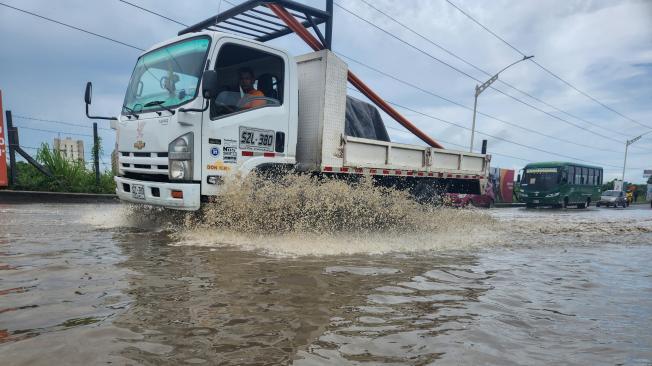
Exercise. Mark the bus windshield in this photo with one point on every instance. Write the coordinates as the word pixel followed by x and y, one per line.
pixel 540 178
pixel 168 76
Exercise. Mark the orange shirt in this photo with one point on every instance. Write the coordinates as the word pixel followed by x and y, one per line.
pixel 256 102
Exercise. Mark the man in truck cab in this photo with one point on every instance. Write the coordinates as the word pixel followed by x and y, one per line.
pixel 250 97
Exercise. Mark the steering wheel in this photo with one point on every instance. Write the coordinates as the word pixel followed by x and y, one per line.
pixel 228 108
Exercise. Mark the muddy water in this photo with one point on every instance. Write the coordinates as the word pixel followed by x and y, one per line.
pixel 83 285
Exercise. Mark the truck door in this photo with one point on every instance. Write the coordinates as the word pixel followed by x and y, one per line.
pixel 248 121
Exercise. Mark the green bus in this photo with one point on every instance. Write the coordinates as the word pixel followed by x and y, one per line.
pixel 560 184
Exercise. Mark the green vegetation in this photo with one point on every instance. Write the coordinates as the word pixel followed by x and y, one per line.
pixel 68 176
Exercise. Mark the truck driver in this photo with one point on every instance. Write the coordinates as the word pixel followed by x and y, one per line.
pixel 249 96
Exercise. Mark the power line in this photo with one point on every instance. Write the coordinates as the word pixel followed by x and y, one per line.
pixel 469 108
pixel 153 12
pixel 55 132
pixel 546 69
pixel 458 145
pixel 566 156
pixel 59 122
pixel 72 27
pixel 484 71
pixel 456 69
pixel 472 77
pixel 492 136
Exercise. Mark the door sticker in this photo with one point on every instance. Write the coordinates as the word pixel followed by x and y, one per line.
pixel 230 151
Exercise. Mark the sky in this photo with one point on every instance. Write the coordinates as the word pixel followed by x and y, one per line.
pixel 603 48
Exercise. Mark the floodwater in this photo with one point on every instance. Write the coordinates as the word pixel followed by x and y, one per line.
pixel 82 285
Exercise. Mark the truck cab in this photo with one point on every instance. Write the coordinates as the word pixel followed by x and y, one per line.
pixel 174 146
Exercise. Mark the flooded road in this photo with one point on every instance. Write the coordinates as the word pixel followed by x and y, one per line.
pixel 80 285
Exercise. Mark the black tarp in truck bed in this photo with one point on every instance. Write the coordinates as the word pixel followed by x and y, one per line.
pixel 363 120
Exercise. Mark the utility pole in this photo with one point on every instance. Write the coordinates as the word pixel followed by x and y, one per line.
pixel 96 154
pixel 627 143
pixel 12 143
pixel 480 88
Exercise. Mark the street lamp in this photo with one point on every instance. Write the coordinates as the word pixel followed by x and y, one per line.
pixel 627 143
pixel 480 88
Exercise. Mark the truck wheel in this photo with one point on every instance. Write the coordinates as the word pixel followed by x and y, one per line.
pixel 564 204
pixel 597 204
pixel 424 193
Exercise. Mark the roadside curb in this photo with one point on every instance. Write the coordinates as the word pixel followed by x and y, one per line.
pixel 11 196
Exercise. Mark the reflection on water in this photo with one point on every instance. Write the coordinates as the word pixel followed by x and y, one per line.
pixel 87 295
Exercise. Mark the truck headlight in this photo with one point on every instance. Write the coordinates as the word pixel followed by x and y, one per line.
pixel 180 159
pixel 552 195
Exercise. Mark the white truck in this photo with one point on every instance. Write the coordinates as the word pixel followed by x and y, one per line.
pixel 189 120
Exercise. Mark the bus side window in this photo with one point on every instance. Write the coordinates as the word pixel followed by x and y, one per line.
pixel 591 176
pixel 571 175
pixel 585 175
pixel 599 177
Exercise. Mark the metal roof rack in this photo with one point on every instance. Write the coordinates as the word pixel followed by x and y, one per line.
pixel 254 19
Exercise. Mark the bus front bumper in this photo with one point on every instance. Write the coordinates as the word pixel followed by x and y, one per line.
pixel 542 201
pixel 188 195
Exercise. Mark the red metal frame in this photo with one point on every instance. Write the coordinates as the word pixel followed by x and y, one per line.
pixel 303 33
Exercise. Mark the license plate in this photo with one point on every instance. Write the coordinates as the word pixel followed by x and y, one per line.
pixel 535 201
pixel 138 191
pixel 256 139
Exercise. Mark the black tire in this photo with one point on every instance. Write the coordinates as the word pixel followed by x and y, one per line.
pixel 564 204
pixel 597 204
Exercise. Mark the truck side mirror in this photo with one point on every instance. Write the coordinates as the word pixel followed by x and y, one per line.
pixel 88 96
pixel 209 84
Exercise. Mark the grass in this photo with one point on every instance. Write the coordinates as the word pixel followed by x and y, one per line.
pixel 68 176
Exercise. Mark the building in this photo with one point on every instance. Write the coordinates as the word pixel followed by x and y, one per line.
pixel 72 150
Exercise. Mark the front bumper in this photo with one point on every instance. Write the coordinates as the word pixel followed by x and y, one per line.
pixel 190 201
pixel 609 203
pixel 542 201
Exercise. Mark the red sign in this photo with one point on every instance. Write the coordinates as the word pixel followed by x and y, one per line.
pixel 506 184
pixel 3 151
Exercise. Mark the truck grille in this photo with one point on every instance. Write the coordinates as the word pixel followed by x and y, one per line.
pixel 148 165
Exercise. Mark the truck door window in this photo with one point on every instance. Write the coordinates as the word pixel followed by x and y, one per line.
pixel 249 79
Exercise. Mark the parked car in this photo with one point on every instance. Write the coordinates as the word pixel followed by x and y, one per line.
pixel 485 200
pixel 463 200
pixel 612 198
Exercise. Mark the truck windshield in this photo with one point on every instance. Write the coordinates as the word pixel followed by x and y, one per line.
pixel 168 76
pixel 540 178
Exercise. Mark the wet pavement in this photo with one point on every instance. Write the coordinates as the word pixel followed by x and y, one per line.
pixel 80 286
